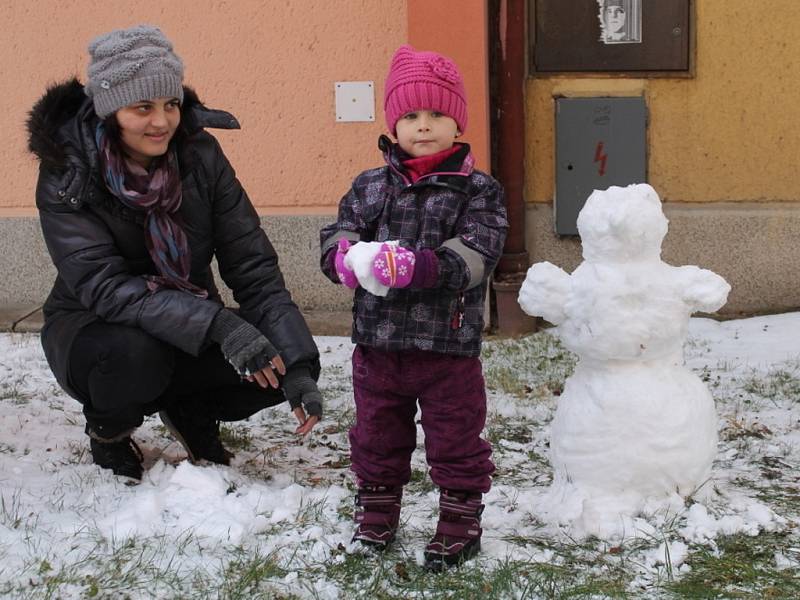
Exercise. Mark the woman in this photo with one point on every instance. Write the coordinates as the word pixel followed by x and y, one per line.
pixel 135 199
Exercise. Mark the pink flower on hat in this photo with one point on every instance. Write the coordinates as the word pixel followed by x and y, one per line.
pixel 421 80
pixel 445 69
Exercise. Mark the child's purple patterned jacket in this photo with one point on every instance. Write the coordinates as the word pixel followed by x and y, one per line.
pixel 457 212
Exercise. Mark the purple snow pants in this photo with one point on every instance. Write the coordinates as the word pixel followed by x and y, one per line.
pixel 452 399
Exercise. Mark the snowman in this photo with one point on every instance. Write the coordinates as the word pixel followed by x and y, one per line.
pixel 635 431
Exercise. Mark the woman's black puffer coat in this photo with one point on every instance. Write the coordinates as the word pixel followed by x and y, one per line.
pixel 98 248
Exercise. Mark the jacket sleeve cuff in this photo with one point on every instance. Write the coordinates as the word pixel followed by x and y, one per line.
pixel 473 261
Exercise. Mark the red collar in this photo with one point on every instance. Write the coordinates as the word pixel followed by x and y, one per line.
pixel 422 165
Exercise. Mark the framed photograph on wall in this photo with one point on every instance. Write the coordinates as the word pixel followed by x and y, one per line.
pixel 620 21
pixel 651 38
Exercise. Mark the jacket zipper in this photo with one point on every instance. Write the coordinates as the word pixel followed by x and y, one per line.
pixel 458 316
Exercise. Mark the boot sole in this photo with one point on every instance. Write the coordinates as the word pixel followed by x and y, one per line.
pixel 437 563
pixel 374 545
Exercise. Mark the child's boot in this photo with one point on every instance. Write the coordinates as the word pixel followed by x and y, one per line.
pixel 377 514
pixel 458 533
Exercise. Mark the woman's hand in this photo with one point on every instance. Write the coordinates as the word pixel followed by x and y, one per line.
pixel 306 423
pixel 304 398
pixel 246 349
pixel 266 377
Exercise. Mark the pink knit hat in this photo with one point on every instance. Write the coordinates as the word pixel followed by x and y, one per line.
pixel 424 81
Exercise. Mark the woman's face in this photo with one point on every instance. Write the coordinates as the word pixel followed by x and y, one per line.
pixel 147 127
pixel 615 19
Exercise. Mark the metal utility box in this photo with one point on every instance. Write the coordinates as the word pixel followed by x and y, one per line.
pixel 600 142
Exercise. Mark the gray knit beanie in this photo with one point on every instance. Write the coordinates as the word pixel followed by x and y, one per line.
pixel 131 65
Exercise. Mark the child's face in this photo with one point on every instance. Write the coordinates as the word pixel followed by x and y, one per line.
pixel 425 132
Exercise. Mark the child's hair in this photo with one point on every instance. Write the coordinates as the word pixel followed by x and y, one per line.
pixel 424 81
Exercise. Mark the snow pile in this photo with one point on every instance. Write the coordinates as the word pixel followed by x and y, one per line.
pixel 635 430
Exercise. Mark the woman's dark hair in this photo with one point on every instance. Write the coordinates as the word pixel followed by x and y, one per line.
pixel 112 129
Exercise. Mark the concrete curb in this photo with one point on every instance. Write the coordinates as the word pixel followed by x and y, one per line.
pixel 21 318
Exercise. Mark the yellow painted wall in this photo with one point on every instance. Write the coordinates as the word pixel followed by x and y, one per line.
pixel 731 133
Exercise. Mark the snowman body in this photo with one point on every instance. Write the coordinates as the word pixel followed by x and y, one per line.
pixel 634 429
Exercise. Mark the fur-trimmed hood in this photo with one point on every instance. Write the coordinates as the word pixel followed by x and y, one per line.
pixel 59 121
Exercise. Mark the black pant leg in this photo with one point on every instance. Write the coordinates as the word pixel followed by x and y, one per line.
pixel 211 383
pixel 122 374
pixel 119 372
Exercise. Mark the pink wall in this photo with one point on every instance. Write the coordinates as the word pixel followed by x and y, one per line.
pixel 271 63
pixel 458 29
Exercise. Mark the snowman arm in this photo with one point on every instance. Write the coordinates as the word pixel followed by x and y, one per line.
pixel 705 290
pixel 544 292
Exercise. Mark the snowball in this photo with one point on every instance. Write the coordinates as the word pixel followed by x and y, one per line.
pixel 359 258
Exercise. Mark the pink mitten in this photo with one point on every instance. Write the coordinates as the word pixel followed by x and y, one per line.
pixel 393 266
pixel 345 273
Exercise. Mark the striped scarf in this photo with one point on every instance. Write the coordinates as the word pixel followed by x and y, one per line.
pixel 157 192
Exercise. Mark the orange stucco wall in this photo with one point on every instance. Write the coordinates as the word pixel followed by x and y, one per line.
pixel 271 63
pixel 458 29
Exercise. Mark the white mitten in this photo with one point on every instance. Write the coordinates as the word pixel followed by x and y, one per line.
pixel 359 258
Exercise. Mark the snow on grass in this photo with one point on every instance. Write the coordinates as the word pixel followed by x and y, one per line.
pixel 277 523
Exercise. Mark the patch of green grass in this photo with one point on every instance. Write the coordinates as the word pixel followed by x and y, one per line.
pixel 536 365
pixel 390 576
pixel 236 437
pixel 340 421
pixel 781 496
pixel 311 511
pixel 739 428
pixel 741 567
pixel 362 575
pixel 14 390
pixel 248 576
pixel 420 482
pixel 507 380
pixel 503 428
pixel 104 572
pixel 11 509
pixel 782 383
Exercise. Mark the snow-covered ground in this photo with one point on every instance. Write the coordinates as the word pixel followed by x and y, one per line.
pixel 277 522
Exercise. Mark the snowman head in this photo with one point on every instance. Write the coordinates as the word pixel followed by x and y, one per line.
pixel 622 223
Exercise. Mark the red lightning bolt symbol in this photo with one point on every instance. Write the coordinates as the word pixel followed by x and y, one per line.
pixel 600 156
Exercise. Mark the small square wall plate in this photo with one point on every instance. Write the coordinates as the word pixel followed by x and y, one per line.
pixel 355 101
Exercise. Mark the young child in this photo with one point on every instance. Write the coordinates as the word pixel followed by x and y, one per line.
pixel 417 239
